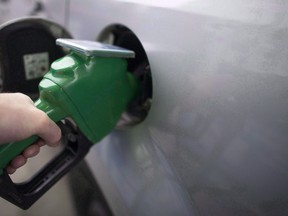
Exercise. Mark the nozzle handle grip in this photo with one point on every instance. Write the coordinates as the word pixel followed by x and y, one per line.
pixel 11 150
pixel 25 194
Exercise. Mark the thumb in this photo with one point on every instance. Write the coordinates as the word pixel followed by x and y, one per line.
pixel 48 130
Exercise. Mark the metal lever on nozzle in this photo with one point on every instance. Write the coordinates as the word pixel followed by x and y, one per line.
pixel 91 86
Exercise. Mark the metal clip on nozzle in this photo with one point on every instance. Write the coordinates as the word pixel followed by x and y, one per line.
pixel 92 87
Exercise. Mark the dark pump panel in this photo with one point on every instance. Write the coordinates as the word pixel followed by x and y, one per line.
pixel 27 48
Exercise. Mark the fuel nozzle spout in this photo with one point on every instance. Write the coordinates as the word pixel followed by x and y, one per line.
pixel 91 86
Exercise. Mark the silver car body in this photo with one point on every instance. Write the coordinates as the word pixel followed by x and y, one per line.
pixel 215 139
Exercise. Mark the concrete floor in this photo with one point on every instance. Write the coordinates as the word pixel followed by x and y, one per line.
pixel 57 201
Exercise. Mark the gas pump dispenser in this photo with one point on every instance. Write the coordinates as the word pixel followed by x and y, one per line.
pixel 92 87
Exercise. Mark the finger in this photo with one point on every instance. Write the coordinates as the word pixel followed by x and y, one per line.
pixel 53 144
pixel 10 170
pixel 18 161
pixel 40 143
pixel 31 151
pixel 48 130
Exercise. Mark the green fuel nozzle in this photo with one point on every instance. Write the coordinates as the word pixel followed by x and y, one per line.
pixel 91 86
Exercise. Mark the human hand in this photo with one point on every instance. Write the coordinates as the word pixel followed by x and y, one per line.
pixel 19 120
